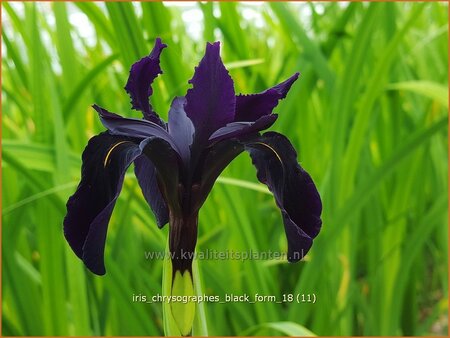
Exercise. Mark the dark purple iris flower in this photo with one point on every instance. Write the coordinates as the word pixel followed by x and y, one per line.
pixel 177 163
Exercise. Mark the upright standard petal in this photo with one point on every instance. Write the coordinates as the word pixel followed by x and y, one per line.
pixel 89 210
pixel 142 74
pixel 254 106
pixel 146 175
pixel 295 193
pixel 211 102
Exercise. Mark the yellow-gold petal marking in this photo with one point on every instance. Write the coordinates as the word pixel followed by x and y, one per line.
pixel 274 151
pixel 105 162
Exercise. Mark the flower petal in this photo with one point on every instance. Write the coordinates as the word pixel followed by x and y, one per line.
pixel 210 103
pixel 118 125
pixel 146 175
pixel 213 161
pixel 252 107
pixel 181 128
pixel 167 163
pixel 89 210
pixel 142 74
pixel 295 193
pixel 239 129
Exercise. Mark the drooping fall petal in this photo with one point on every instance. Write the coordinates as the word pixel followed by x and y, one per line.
pixel 142 74
pixel 89 209
pixel 295 193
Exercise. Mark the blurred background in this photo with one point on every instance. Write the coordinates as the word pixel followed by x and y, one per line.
pixel 368 117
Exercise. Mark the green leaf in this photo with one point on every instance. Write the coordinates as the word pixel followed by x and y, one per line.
pixel 290 329
pixel 434 91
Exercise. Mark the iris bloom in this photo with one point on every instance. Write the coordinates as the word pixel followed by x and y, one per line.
pixel 177 163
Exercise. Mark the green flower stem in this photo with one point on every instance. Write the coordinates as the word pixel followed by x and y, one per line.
pixel 182 319
pixel 200 327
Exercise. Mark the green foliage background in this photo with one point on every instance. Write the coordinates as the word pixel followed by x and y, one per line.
pixel 368 116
